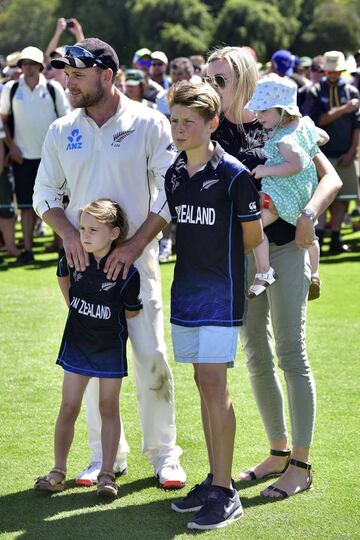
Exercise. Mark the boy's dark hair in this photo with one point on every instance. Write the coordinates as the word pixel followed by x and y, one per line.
pixel 198 96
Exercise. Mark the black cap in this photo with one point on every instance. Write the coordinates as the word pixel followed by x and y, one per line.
pixel 101 51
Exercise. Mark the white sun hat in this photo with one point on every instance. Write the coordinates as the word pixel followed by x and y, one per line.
pixel 274 91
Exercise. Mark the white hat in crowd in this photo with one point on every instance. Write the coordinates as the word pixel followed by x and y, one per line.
pixel 334 61
pixel 31 53
pixel 274 91
pixel 161 56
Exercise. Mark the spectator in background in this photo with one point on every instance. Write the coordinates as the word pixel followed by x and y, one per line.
pixel 159 65
pixel 11 71
pixel 333 104
pixel 54 51
pixel 33 109
pixel 134 87
pixel 283 63
pixel 142 61
pixel 198 62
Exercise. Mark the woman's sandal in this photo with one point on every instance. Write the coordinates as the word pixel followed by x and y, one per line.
pixel 280 453
pixel 302 465
pixel 106 485
pixel 49 483
pixel 269 277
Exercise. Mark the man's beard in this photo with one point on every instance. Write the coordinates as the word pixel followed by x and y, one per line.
pixel 89 99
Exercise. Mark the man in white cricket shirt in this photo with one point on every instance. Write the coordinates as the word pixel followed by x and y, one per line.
pixel 110 146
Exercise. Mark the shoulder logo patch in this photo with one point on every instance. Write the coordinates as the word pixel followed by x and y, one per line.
pixel 119 136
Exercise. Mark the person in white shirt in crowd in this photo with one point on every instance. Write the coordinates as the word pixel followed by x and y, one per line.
pixel 112 147
pixel 159 65
pixel 33 106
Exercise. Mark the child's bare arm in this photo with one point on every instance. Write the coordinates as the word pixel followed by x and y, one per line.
pixel 131 314
pixel 64 284
pixel 291 164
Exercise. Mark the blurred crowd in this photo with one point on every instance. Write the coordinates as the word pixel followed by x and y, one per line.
pixel 34 94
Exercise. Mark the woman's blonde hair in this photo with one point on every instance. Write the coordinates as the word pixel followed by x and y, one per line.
pixel 199 96
pixel 245 73
pixel 110 213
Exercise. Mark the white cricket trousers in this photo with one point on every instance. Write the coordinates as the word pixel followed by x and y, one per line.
pixel 153 377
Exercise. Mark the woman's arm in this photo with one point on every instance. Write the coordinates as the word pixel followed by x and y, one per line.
pixel 324 195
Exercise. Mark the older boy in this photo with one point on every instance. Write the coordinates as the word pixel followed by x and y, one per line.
pixel 216 208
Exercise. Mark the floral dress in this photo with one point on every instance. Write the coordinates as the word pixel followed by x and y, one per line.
pixel 290 194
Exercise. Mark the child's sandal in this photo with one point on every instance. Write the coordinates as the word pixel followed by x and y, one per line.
pixel 314 289
pixel 106 485
pixel 50 483
pixel 269 277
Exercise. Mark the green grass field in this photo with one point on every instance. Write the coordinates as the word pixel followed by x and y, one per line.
pixel 32 317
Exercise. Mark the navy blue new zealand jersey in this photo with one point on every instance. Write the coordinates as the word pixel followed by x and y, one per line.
pixel 208 208
pixel 95 335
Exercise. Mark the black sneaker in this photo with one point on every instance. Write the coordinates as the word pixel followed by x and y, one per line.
pixel 26 257
pixel 218 511
pixel 195 499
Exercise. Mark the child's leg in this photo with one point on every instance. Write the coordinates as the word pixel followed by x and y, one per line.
pixel 73 389
pixel 261 252
pixel 314 255
pixel 110 421
pixel 212 380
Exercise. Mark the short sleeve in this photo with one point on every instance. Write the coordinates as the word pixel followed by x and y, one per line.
pixel 168 191
pixel 131 290
pixel 62 268
pixel 246 199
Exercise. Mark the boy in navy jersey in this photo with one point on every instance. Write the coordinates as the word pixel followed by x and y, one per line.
pixel 94 340
pixel 215 206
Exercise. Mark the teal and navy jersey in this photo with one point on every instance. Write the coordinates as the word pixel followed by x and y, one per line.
pixel 95 335
pixel 208 208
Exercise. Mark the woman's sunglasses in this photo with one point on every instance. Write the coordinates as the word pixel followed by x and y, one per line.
pixel 216 80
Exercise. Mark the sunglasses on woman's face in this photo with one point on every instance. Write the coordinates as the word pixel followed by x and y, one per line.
pixel 216 80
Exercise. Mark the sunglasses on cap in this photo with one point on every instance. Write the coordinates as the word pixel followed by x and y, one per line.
pixel 87 57
pixel 146 63
pixel 216 80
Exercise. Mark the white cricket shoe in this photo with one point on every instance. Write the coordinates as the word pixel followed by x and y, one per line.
pixel 88 477
pixel 171 476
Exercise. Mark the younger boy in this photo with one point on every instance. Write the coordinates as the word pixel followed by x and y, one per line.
pixel 215 207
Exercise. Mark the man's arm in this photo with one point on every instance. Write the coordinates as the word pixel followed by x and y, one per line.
pixel 124 255
pixel 336 112
pixel 324 195
pixel 346 159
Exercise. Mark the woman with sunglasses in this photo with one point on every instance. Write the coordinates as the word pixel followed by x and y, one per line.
pixel 233 72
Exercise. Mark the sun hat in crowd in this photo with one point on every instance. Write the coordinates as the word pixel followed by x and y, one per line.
pixel 305 61
pixel 274 91
pixel 31 53
pixel 134 77
pixel 161 56
pixel 284 62
pixel 140 53
pixel 334 61
pixel 88 53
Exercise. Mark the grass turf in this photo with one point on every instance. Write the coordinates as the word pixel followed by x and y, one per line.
pixel 32 319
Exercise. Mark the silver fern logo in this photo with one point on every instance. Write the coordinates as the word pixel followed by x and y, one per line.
pixel 208 183
pixel 119 136
pixel 77 276
pixel 107 286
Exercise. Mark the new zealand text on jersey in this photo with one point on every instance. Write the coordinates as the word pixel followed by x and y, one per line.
pixel 90 310
pixel 197 215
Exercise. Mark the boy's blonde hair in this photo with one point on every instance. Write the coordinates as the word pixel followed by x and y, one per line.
pixel 198 96
pixel 245 72
pixel 110 213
